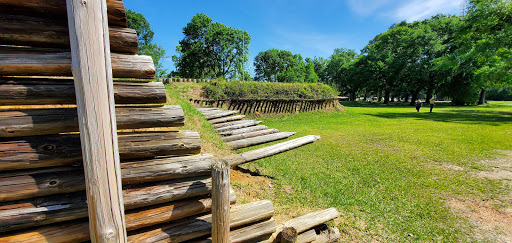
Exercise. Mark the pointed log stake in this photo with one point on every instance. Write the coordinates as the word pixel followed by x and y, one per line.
pixel 220 201
pixel 92 71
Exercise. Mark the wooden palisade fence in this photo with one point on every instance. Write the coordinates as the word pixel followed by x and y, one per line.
pixel 248 106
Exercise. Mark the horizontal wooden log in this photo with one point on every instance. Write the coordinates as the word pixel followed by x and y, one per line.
pixel 50 183
pixel 307 236
pixel 327 235
pixel 300 224
pixel 253 233
pixel 243 130
pixel 220 114
pixel 227 119
pixel 56 9
pixel 36 62
pixel 63 92
pixel 249 135
pixel 46 151
pixel 248 123
pixel 64 207
pixel 15 123
pixel 264 152
pixel 187 229
pixel 78 230
pixel 22 30
pixel 243 143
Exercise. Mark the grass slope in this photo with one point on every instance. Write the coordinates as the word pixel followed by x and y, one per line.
pixel 390 170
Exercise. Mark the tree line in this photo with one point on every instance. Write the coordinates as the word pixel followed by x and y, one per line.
pixel 459 57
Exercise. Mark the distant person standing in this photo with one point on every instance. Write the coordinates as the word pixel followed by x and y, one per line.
pixel 432 102
pixel 418 105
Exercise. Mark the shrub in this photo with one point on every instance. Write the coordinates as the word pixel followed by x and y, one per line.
pixel 218 90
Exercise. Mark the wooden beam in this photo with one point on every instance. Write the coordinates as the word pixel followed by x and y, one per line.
pixel 56 9
pixel 92 71
pixel 220 201
pixel 45 151
pixel 249 135
pixel 258 232
pixel 47 92
pixel 227 119
pixel 248 123
pixel 300 224
pixel 17 61
pixel 214 115
pixel 244 130
pixel 31 122
pixel 243 143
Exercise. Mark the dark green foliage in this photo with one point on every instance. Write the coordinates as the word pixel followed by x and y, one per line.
pixel 500 93
pixel 279 66
pixel 211 50
pixel 260 90
pixel 141 25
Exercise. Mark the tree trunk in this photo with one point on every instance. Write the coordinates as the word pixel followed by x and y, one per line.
pixel 481 100
pixel 386 96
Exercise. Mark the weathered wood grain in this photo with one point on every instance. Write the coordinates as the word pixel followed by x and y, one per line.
pixel 37 62
pixel 23 30
pixel 220 201
pixel 244 130
pixel 227 119
pixel 243 143
pixel 249 135
pixel 244 124
pixel 45 151
pixel 253 233
pixel 232 123
pixel 218 114
pixel 15 123
pixel 264 152
pixel 300 224
pixel 15 92
pixel 55 9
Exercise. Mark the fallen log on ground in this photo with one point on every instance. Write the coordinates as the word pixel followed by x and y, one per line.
pixel 188 229
pixel 327 235
pixel 248 123
pixel 15 123
pixel 227 119
pixel 64 207
pixel 45 151
pixel 243 143
pixel 264 152
pixel 243 130
pixel 249 135
pixel 57 9
pixel 214 115
pixel 23 30
pixel 300 224
pixel 227 124
pixel 50 183
pixel 36 62
pixel 62 91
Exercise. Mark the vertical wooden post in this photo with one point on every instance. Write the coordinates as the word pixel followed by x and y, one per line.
pixel 220 201
pixel 92 72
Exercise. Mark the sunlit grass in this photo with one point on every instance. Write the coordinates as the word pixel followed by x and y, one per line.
pixel 390 166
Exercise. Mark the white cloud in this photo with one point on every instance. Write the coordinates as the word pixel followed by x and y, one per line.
pixel 422 9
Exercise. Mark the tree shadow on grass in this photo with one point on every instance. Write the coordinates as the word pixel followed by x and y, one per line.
pixel 477 117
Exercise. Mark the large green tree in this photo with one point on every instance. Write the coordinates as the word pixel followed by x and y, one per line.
pixel 145 34
pixel 280 66
pixel 211 50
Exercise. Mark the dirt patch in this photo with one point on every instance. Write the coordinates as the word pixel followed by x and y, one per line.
pixel 488 224
pixel 501 167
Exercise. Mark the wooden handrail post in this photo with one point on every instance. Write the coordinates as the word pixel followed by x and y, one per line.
pixel 220 201
pixel 92 72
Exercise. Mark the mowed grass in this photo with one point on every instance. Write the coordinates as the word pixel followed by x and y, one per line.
pixel 390 170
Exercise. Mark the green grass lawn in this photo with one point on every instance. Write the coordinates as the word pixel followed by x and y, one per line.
pixel 390 170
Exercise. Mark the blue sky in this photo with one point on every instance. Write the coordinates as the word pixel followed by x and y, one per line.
pixel 307 27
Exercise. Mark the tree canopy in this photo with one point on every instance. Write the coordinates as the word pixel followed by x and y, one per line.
pixel 145 34
pixel 211 50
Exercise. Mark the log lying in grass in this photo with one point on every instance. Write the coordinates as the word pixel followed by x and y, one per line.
pixel 307 236
pixel 300 224
pixel 29 62
pixel 253 233
pixel 243 143
pixel 46 210
pixel 249 135
pixel 244 130
pixel 56 91
pixel 45 151
pixel 78 230
pixel 191 228
pixel 15 123
pixel 248 123
pixel 219 114
pixel 327 235
pixel 264 152
pixel 56 9
pixel 232 123
pixel 227 119
pixel 23 30
pixel 50 183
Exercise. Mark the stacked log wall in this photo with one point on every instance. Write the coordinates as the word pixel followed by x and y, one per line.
pixel 250 106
